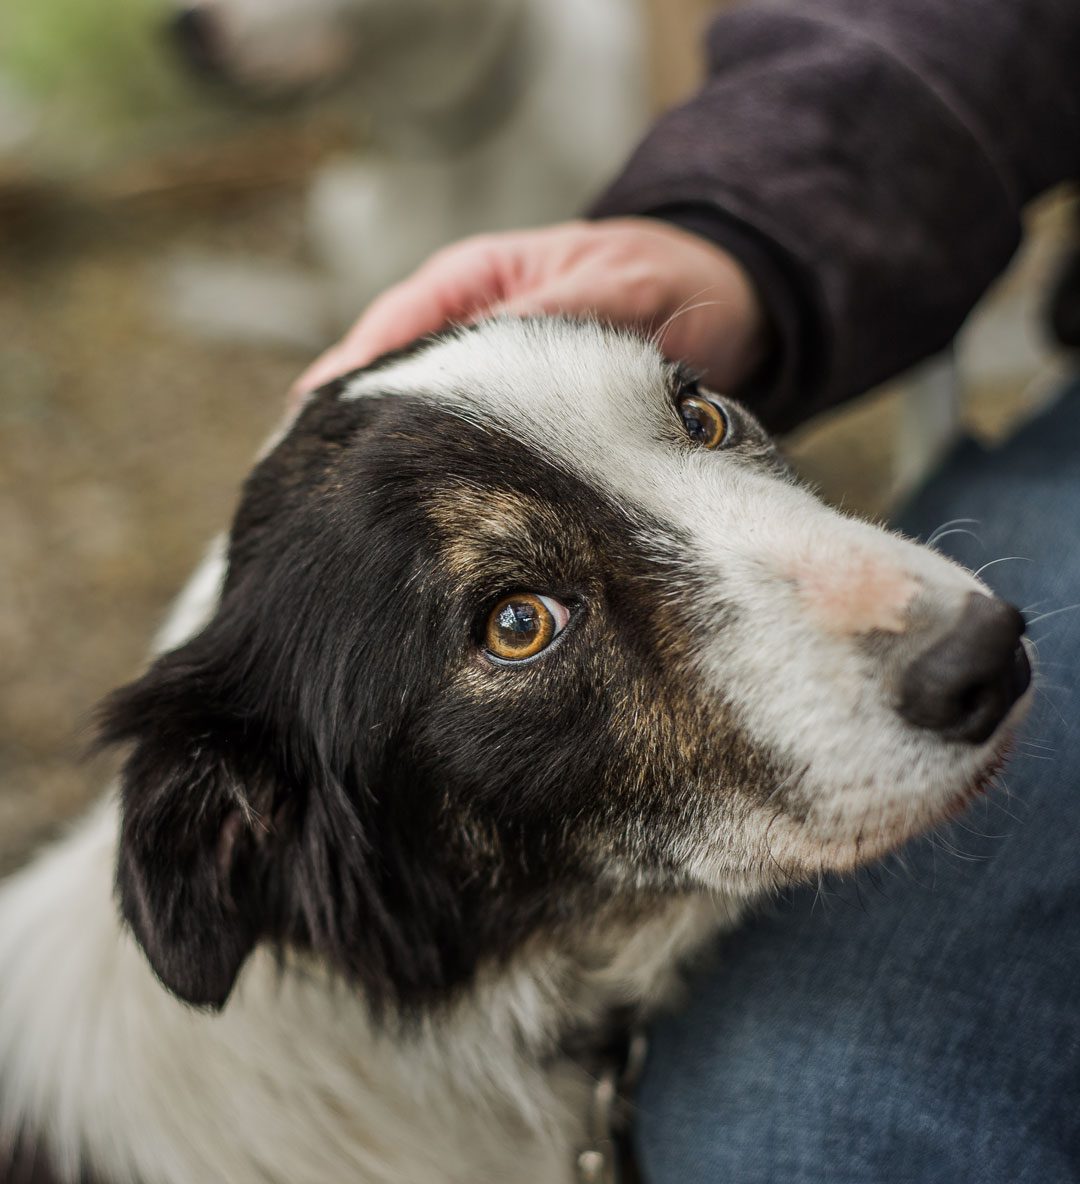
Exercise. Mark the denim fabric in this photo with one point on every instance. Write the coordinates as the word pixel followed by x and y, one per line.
pixel 920 1023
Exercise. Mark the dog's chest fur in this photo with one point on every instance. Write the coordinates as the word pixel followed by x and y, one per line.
pixel 291 1082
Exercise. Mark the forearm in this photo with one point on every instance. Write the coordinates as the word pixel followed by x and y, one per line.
pixel 871 159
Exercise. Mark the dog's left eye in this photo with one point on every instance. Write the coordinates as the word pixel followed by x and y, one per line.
pixel 704 418
pixel 522 625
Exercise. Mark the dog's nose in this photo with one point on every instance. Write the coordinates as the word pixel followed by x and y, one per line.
pixel 195 37
pixel 963 686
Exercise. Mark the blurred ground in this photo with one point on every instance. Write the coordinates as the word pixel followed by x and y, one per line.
pixel 122 443
pixel 123 438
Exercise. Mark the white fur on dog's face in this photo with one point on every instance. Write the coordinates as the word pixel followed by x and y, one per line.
pixel 800 614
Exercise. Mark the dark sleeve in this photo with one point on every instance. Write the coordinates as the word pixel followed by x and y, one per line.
pixel 868 161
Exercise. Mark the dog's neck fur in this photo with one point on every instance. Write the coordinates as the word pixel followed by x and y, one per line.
pixel 294 1080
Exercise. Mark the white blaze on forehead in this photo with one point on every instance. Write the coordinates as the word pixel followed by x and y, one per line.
pixel 599 404
pixel 592 401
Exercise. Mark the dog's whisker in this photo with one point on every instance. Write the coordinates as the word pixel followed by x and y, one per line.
pixel 1069 608
pixel 953 850
pixel 655 334
pixel 819 894
pixel 937 534
pixel 783 785
pixel 948 533
pixel 1004 559
pixel 1028 743
pixel 1041 690
pixel 664 329
pixel 1004 810
pixel 979 834
pixel 1045 665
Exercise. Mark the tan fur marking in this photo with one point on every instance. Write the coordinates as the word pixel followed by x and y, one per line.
pixel 473 520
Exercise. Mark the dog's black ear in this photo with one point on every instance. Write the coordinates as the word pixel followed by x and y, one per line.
pixel 196 835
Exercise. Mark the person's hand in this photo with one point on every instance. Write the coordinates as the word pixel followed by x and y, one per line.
pixel 637 272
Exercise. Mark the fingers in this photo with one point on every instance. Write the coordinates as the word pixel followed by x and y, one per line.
pixel 635 272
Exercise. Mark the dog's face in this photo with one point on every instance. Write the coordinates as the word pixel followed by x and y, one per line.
pixel 521 624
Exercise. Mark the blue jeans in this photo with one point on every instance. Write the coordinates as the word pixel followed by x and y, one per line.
pixel 921 1023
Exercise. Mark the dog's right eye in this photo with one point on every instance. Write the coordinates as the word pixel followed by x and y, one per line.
pixel 522 625
pixel 704 418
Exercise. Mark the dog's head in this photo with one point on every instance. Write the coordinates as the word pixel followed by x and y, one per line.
pixel 518 624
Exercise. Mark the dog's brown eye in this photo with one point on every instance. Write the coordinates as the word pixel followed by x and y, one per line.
pixel 523 624
pixel 705 420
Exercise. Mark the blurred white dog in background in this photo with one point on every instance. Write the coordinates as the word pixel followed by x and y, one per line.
pixel 482 115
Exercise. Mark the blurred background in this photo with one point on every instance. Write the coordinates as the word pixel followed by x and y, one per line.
pixel 194 199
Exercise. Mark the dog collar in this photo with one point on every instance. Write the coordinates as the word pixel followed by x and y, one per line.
pixel 607 1157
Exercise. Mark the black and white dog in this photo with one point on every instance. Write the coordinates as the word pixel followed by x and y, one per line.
pixel 525 667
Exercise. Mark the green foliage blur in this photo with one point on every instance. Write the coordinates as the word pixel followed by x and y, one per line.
pixel 99 75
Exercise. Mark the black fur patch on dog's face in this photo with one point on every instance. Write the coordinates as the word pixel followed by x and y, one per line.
pixel 334 763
